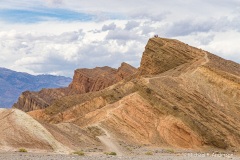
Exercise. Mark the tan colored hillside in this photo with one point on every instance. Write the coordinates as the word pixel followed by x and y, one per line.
pixel 181 97
pixel 20 130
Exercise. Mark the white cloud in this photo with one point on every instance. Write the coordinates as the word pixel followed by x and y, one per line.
pixel 119 32
pixel 123 35
pixel 54 1
pixel 111 26
pixel 62 53
pixel 131 25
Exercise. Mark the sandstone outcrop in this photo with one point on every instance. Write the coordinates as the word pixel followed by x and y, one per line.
pixel 162 55
pixel 89 80
pixel 84 81
pixel 181 97
pixel 166 106
pixel 39 100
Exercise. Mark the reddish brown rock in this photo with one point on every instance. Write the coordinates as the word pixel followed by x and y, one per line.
pixel 84 81
pixel 89 80
pixel 163 54
pixel 29 101
pixel 183 97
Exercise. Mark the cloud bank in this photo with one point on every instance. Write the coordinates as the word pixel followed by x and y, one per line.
pixel 58 36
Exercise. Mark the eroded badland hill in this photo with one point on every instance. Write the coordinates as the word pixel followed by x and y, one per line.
pixel 84 81
pixel 180 97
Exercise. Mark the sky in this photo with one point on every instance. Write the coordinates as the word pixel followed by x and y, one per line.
pixel 59 36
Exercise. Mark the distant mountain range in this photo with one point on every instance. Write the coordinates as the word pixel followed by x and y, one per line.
pixel 13 83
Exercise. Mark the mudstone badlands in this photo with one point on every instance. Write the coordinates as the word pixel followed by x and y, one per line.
pixel 180 98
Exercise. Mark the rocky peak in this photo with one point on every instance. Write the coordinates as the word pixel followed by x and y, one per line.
pixel 30 100
pixel 163 54
pixel 84 81
pixel 125 70
pixel 192 102
pixel 88 80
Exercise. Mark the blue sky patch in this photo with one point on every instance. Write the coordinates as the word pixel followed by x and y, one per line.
pixel 34 16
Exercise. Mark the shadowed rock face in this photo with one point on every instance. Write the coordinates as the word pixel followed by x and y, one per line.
pixel 29 101
pixel 84 81
pixel 181 97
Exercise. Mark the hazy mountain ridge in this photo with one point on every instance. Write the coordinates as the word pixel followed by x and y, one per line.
pixel 13 83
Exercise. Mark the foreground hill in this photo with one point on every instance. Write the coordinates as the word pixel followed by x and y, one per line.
pixel 180 97
pixel 12 84
pixel 19 130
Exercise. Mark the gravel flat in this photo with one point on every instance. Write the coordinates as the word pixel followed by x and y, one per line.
pixel 41 156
